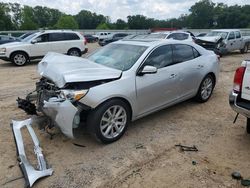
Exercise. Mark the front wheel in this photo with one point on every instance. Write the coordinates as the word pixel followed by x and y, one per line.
pixel 19 58
pixel 206 89
pixel 109 121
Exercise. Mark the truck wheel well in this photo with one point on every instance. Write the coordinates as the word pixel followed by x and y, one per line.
pixel 213 75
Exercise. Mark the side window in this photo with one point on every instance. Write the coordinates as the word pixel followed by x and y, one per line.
pixel 71 36
pixel 196 53
pixel 231 36
pixel 56 37
pixel 237 34
pixel 160 57
pixel 182 52
pixel 43 38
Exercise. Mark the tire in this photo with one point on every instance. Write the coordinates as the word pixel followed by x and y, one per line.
pixel 74 52
pixel 19 58
pixel 102 123
pixel 245 49
pixel 248 125
pixel 206 89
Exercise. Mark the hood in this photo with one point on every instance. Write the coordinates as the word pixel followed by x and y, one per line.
pixel 62 69
pixel 210 39
pixel 15 43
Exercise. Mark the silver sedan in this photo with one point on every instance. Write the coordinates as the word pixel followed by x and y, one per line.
pixel 122 82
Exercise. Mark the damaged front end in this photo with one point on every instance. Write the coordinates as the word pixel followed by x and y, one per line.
pixel 218 45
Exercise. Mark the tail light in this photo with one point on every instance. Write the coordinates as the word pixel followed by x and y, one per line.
pixel 85 41
pixel 238 79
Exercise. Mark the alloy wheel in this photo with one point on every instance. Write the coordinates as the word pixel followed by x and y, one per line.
pixel 113 121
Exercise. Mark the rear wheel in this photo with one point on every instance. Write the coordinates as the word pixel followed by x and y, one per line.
pixel 74 52
pixel 248 125
pixel 109 121
pixel 206 89
pixel 19 58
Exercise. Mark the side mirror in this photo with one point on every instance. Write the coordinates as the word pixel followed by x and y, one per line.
pixel 148 70
pixel 33 41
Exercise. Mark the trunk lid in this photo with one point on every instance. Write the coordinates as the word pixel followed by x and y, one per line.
pixel 62 69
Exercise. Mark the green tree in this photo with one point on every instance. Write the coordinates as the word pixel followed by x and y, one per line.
pixel 27 22
pixel 202 14
pixel 89 20
pixel 121 24
pixel 66 22
pixel 5 18
pixel 103 26
pixel 46 17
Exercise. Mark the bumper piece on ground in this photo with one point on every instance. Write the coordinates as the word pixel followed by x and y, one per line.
pixel 30 173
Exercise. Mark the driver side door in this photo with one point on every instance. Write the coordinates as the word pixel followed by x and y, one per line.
pixel 231 43
pixel 156 90
pixel 41 47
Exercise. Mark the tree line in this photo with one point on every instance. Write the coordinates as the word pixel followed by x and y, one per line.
pixel 202 15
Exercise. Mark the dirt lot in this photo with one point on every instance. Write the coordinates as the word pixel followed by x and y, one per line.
pixel 146 156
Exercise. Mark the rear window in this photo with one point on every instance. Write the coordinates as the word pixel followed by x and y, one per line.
pixel 182 52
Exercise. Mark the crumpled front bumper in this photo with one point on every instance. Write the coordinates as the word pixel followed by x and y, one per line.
pixel 63 113
pixel 30 173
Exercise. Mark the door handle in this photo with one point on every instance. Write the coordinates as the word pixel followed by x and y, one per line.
pixel 172 76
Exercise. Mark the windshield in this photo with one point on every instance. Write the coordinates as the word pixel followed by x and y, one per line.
pixel 118 56
pixel 223 34
pixel 27 39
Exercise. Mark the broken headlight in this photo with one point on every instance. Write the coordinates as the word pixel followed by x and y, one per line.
pixel 73 94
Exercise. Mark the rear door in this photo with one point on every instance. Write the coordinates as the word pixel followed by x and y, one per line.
pixel 57 42
pixel 158 89
pixel 190 67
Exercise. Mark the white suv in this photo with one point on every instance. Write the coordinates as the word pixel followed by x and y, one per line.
pixel 40 43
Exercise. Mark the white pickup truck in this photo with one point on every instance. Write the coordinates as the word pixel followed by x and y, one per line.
pixel 223 41
pixel 239 98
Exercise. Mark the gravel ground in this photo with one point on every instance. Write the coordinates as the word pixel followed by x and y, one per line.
pixel 146 155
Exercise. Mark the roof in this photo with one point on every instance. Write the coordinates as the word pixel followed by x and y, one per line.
pixel 150 42
pixel 226 30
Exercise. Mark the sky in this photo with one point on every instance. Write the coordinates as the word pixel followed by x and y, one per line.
pixel 115 9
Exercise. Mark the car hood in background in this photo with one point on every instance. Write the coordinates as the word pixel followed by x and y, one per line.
pixel 62 69
pixel 214 39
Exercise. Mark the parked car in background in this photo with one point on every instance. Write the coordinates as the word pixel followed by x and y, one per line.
pixel 23 36
pixel 6 39
pixel 223 41
pixel 114 37
pixel 176 35
pixel 90 38
pixel 122 82
pixel 239 98
pixel 102 35
pixel 201 35
pixel 38 44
